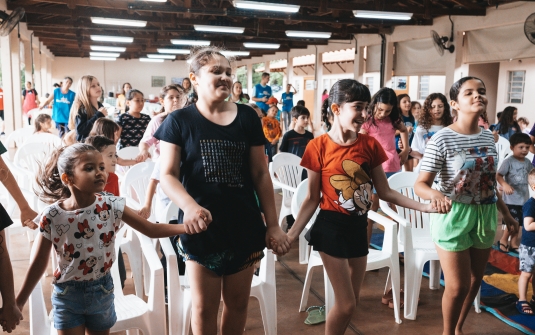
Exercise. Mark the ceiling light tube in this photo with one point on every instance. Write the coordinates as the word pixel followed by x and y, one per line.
pixel 155 60
pixel 219 29
pixel 105 48
pixel 369 14
pixel 308 34
pixel 104 54
pixel 118 22
pixel 252 45
pixel 102 58
pixel 228 53
pixel 190 42
pixel 274 7
pixel 119 39
pixel 174 51
pixel 155 0
pixel 161 56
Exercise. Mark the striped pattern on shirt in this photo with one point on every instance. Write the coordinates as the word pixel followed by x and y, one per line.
pixel 465 165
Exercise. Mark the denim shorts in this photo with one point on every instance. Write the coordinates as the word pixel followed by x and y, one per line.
pixel 89 303
pixel 526 256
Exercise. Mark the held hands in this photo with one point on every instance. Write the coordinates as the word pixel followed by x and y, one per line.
pixel 440 202
pixel 10 317
pixel 144 212
pixel 196 219
pixel 143 155
pixel 26 217
pixel 507 189
pixel 403 156
pixel 512 224
pixel 277 241
pixel 103 110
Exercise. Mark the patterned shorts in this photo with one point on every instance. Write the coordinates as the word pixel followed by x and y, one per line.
pixel 527 258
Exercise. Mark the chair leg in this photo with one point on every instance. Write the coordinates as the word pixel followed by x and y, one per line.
pixel 477 301
pixel 306 288
pixel 434 275
pixel 413 282
pixel 268 309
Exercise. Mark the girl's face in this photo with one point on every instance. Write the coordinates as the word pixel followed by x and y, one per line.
pixel 109 155
pixel 95 91
pixel 89 175
pixel 136 104
pixel 416 110
pixel 405 104
pixel 382 110
pixel 127 88
pixel 351 115
pixel 237 90
pixel 47 125
pixel 515 114
pixel 472 98
pixel 172 101
pixel 437 109
pixel 272 111
pixel 214 79
pixel 186 84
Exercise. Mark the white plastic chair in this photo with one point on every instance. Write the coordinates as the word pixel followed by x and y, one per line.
pixel 50 139
pixel 126 153
pixel 134 185
pixel 18 137
pixel 415 241
pixel 297 200
pixel 286 173
pixel 503 148
pixel 377 259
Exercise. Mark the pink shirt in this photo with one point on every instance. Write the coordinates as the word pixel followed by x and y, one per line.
pixel 149 138
pixel 384 132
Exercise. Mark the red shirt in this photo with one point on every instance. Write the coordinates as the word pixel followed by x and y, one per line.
pixel 112 186
pixel 346 183
pixel 1 99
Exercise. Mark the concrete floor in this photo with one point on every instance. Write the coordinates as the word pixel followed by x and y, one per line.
pixel 372 317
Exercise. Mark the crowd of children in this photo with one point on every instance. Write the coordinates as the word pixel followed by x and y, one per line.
pixel 209 155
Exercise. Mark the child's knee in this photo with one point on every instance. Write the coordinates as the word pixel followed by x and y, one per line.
pixel 347 308
pixel 459 290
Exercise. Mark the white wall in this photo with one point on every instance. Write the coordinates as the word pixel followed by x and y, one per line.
pixel 526 108
pixel 112 75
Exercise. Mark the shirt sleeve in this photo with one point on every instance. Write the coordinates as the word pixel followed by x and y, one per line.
pixel 44 223
pixel 529 209
pixel 284 143
pixel 434 156
pixel 311 158
pixel 148 136
pixel 170 130
pixel 117 205
pixel 504 168
pixel 256 136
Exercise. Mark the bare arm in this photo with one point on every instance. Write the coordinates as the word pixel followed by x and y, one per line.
pixel 506 187
pixel 423 189
pixel 10 314
pixel 389 195
pixel 264 190
pixel 47 101
pixel 309 205
pixel 143 151
pixel 510 222
pixel 151 189
pixel 26 213
pixel 404 136
pixel 126 162
pixel 169 178
pixel 529 223
pixel 148 228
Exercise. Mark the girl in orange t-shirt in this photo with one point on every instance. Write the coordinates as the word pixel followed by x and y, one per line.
pixel 343 166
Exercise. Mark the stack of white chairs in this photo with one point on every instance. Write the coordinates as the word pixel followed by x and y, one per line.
pixel 125 153
pixel 18 137
pixel 503 148
pixel 415 242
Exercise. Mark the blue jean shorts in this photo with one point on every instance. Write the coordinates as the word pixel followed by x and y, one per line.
pixel 89 303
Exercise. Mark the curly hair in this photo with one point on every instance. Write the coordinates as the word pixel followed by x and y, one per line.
pixel 426 119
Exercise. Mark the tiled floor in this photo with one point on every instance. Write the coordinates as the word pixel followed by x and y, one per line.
pixel 372 317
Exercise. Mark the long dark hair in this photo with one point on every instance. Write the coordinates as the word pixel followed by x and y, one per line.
pixel 426 119
pixel 507 122
pixel 386 96
pixel 50 188
pixel 400 97
pixel 345 90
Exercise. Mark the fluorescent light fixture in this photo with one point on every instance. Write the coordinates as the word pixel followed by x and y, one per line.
pixel 228 53
pixel 308 34
pixel 190 42
pixel 104 48
pixel 370 14
pixel 155 60
pixel 102 58
pixel 174 51
pixel 275 7
pixel 118 22
pixel 219 29
pixel 156 0
pixel 162 56
pixel 261 45
pixel 119 39
pixel 104 54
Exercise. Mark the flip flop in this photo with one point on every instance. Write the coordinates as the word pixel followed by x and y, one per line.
pixel 523 307
pixel 513 250
pixel 499 245
pixel 316 315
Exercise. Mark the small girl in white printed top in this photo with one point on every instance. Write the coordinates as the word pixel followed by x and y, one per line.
pixel 82 226
pixel 463 159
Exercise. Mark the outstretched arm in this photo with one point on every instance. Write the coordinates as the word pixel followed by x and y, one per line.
pixel 152 230
pixel 423 189
pixel 309 205
pixel 10 315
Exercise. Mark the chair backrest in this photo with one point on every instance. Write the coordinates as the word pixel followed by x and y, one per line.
pixel 18 137
pixel 287 169
pixel 136 181
pixel 298 198
pixel 171 211
pixel 30 155
pixel 128 152
pixel 50 139
pixel 503 149
pixel 403 182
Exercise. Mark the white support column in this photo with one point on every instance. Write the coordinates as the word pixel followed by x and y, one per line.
pixel 389 62
pixel 318 77
pixel 250 80
pixel 290 70
pixel 48 72
pixel 358 65
pixel 7 84
pixel 14 42
pixel 28 63
pixel 41 89
pixel 44 82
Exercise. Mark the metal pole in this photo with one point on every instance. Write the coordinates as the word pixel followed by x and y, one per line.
pixel 382 67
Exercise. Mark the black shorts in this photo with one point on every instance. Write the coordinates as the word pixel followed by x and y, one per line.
pixel 516 213
pixel 2 114
pixel 339 235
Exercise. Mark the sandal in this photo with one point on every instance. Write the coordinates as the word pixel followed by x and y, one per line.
pixel 532 302
pixel 499 245
pixel 523 307
pixel 513 250
pixel 316 315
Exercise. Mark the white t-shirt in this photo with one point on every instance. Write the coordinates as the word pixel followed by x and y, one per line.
pixel 84 239
pixel 465 165
pixel 162 200
pixel 422 136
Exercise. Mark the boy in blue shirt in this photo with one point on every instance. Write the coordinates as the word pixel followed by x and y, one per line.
pixel 262 93
pixel 527 253
pixel 295 140
pixel 287 105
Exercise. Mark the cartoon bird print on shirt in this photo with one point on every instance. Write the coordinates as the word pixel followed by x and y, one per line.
pixel 354 188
